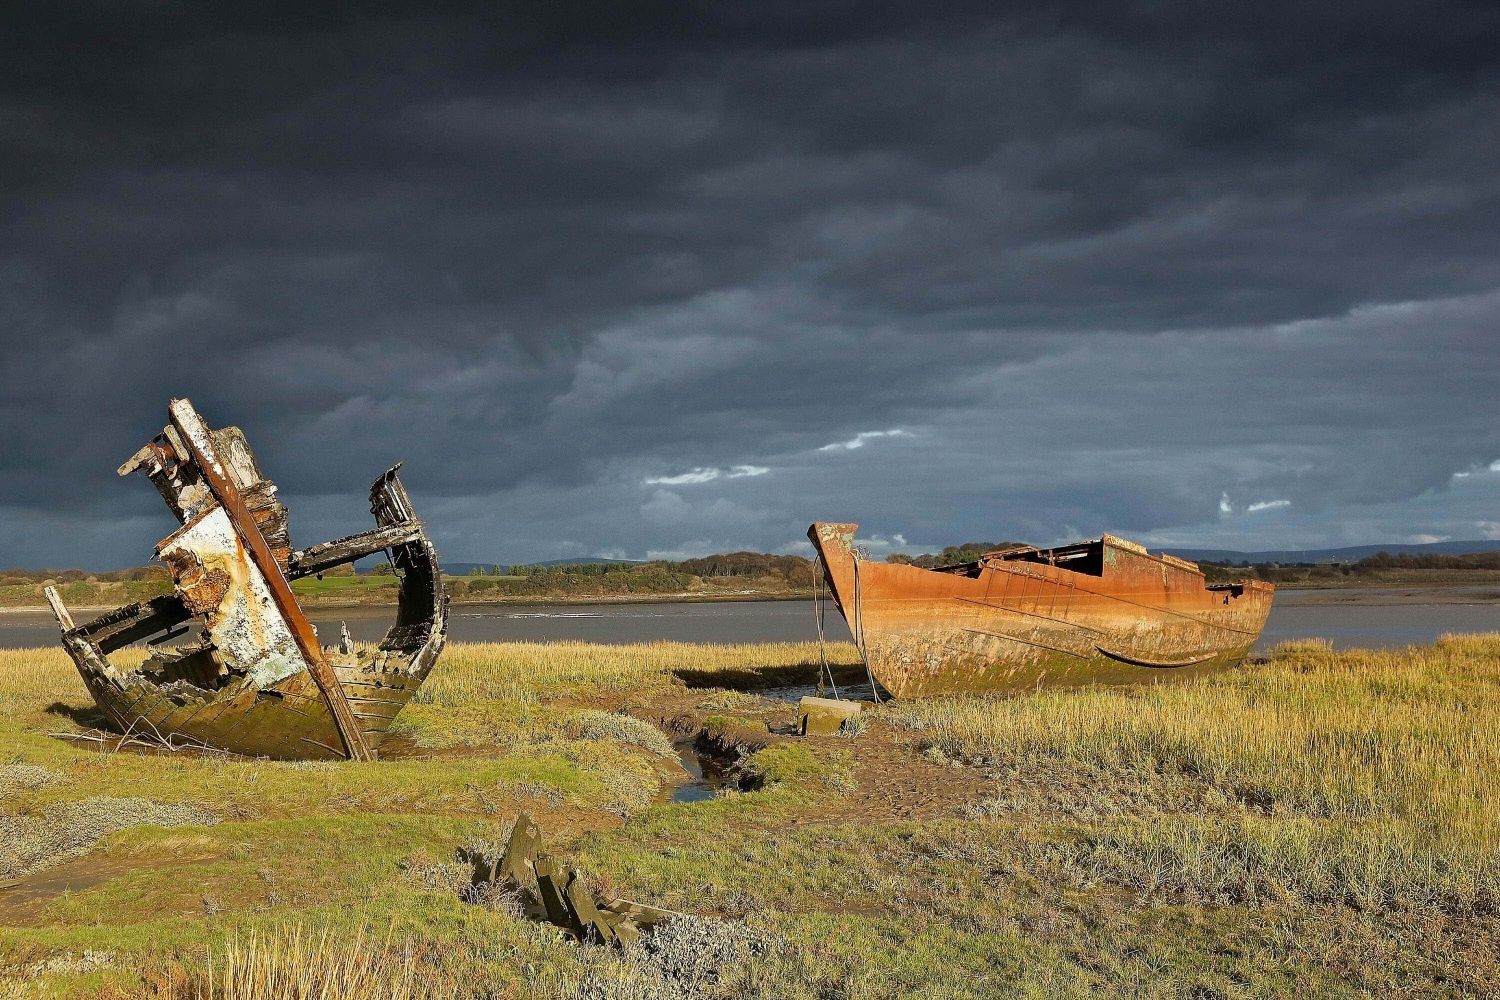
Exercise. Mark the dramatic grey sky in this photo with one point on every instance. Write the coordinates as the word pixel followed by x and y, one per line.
pixel 670 278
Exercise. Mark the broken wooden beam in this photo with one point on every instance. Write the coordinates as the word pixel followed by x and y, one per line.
pixel 626 934
pixel 640 914
pixel 585 914
pixel 520 852
pixel 324 556
pixel 549 889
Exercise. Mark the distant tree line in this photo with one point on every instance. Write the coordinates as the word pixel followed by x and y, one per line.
pixel 571 569
pixel 135 574
pixel 1425 560
pixel 794 570
pixel 951 556
pixel 1327 571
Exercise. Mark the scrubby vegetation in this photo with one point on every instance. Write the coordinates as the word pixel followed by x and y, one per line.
pixel 953 555
pixel 1323 823
pixel 719 575
pixel 19 589
pixel 1429 560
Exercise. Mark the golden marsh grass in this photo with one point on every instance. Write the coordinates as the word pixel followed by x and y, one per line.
pixel 296 964
pixel 1371 771
pixel 524 671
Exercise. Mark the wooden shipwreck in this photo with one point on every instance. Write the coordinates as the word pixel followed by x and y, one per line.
pixel 1100 611
pixel 256 680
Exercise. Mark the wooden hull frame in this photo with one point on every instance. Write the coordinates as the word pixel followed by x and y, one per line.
pixel 244 687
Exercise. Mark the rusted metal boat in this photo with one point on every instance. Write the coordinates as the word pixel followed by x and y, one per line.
pixel 256 681
pixel 1104 611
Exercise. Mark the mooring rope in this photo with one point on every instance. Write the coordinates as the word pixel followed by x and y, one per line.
pixel 819 610
pixel 859 631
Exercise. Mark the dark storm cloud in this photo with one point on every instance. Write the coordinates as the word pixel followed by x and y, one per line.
pixel 1137 266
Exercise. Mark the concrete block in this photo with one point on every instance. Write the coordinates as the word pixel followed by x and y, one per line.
pixel 824 716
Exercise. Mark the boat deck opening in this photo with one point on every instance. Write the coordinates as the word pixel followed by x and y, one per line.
pixel 1079 557
pixel 1086 558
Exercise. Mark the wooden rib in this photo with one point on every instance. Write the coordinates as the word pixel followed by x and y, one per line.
pixel 317 558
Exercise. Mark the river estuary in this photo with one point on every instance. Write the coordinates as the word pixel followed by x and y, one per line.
pixel 1372 618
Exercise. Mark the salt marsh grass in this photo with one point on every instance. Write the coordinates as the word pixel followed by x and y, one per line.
pixel 525 671
pixel 296 964
pixel 1361 773
pixel 33 677
pixel 1323 822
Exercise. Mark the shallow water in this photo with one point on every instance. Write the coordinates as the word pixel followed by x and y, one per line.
pixel 1356 620
pixel 705 777
pixel 1356 625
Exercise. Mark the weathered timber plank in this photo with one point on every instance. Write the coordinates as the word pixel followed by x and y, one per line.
pixel 547 876
pixel 525 838
pixel 585 914
pixel 325 555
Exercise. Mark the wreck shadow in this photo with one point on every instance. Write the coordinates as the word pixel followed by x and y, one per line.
pixel 764 678
pixel 87 716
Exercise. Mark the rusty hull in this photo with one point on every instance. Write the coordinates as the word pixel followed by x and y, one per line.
pixel 1103 611
pixel 256 681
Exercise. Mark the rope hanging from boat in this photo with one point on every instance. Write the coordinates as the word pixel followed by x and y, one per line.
pixel 819 609
pixel 859 628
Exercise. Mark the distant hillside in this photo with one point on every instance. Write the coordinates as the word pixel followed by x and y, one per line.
pixel 950 556
pixel 477 568
pixel 1349 553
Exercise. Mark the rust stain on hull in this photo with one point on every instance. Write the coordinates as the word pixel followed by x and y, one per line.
pixel 1098 612
pixel 257 682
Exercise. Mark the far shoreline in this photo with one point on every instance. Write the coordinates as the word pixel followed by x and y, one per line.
pixel 1372 595
pixel 564 601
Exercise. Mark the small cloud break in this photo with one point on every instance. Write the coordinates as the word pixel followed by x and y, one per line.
pixel 708 475
pixel 858 440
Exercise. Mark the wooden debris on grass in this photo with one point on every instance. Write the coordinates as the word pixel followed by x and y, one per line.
pixel 520 853
pixel 563 894
pixel 551 892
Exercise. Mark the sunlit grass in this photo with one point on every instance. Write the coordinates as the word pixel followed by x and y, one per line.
pixel 1325 822
pixel 525 671
pixel 1398 750
pixel 297 964
pixel 31 679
